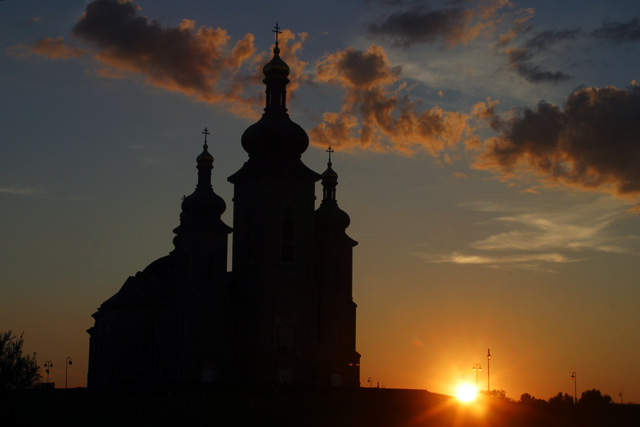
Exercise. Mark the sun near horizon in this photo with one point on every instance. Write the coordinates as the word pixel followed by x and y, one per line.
pixel 466 393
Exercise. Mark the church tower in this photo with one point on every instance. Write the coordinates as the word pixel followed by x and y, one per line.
pixel 166 325
pixel 201 259
pixel 274 200
pixel 336 311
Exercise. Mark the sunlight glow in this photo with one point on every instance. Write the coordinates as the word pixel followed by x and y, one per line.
pixel 466 393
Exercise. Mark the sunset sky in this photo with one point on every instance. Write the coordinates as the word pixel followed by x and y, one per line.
pixel 488 155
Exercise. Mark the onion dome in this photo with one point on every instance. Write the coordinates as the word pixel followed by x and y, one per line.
pixel 276 68
pixel 329 215
pixel 202 206
pixel 275 135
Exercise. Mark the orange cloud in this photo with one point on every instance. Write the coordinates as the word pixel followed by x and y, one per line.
pixel 184 59
pixel 199 62
pixel 373 116
pixel 52 48
pixel 591 144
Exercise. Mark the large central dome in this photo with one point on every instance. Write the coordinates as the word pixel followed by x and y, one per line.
pixel 275 134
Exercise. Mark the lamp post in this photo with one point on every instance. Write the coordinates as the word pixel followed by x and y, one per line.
pixel 477 367
pixel 488 368
pixel 66 366
pixel 48 365
pixel 621 398
pixel 370 381
pixel 575 387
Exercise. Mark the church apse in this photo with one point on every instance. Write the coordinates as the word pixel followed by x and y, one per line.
pixel 283 315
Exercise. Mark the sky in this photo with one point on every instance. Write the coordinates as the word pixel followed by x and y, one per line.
pixel 487 154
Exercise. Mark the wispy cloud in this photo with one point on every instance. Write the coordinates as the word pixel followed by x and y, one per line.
pixel 21 191
pixel 619 32
pixel 539 262
pixel 571 229
pixel 539 239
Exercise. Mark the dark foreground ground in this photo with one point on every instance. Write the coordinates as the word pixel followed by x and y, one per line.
pixel 363 407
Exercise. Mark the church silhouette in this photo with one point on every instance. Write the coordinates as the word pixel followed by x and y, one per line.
pixel 284 315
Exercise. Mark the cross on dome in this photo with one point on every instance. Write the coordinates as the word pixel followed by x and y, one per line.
pixel 277 31
pixel 206 132
pixel 329 150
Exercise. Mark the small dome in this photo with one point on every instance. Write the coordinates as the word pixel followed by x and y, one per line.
pixel 329 174
pixel 203 203
pixel 205 157
pixel 330 216
pixel 276 68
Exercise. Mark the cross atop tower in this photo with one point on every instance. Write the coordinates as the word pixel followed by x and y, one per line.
pixel 206 132
pixel 277 31
pixel 329 150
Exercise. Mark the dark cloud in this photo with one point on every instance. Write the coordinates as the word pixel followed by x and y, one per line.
pixel 619 32
pixel 453 25
pixel 545 39
pixel 420 26
pixel 593 143
pixel 521 59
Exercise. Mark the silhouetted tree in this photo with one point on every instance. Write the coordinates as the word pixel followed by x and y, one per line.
pixel 497 394
pixel 16 371
pixel 594 398
pixel 561 399
pixel 527 399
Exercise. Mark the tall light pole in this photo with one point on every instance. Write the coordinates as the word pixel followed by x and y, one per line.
pixel 66 366
pixel 48 365
pixel 488 369
pixel 575 387
pixel 621 398
pixel 477 367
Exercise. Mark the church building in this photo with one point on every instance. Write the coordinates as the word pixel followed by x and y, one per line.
pixel 284 314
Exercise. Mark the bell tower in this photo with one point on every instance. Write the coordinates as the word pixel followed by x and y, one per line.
pixel 274 197
pixel 336 310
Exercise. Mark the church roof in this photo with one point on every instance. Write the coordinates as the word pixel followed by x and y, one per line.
pixel 150 287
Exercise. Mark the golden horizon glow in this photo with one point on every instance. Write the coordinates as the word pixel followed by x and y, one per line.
pixel 466 393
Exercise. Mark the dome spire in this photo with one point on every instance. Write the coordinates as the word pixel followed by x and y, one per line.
pixel 202 208
pixel 204 164
pixel 276 30
pixel 206 133
pixel 276 74
pixel 329 216
pixel 329 180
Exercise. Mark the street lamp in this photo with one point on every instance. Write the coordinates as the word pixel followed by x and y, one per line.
pixel 621 398
pixel 370 381
pixel 488 369
pixel 575 387
pixel 66 366
pixel 48 365
pixel 477 367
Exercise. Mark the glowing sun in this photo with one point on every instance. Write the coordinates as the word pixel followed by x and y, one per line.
pixel 466 393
